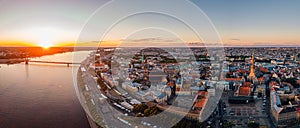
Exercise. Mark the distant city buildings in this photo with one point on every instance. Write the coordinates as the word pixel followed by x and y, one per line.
pixel 266 80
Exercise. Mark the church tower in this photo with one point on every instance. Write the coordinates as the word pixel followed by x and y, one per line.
pixel 252 69
pixel 143 59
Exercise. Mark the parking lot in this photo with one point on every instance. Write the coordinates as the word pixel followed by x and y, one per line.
pixel 241 114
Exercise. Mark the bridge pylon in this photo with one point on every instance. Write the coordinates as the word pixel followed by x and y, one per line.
pixel 26 61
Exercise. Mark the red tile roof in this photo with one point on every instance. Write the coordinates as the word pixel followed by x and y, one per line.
pixel 202 93
pixel 242 71
pixel 244 91
pixel 264 70
pixel 272 83
pixel 99 64
pixel 247 84
pixel 298 81
pixel 171 83
pixel 200 104
pixel 233 79
pixel 298 110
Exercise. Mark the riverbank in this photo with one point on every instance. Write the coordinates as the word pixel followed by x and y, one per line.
pixel 12 61
pixel 92 123
pixel 87 98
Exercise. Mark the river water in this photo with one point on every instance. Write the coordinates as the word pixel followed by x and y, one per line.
pixel 41 95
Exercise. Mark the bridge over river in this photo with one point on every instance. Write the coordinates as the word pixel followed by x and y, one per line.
pixel 51 62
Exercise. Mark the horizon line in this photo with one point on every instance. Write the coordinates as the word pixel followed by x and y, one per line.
pixel 227 46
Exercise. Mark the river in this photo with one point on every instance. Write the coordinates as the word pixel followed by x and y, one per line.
pixel 41 95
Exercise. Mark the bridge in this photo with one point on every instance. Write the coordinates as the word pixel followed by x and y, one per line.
pixel 50 62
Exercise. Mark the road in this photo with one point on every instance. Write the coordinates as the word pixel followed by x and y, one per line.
pixel 105 110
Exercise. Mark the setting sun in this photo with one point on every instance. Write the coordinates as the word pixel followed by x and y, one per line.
pixel 46 39
pixel 45 44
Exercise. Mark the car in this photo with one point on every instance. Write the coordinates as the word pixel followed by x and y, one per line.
pixel 209 122
pixel 145 123
pixel 224 104
pixel 98 86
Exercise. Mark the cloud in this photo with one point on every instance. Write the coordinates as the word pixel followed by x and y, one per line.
pixel 153 39
pixel 235 39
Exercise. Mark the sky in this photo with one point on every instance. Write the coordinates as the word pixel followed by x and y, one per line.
pixel 237 22
pixel 258 22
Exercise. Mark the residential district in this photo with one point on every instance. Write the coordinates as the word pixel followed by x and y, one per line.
pixel 191 87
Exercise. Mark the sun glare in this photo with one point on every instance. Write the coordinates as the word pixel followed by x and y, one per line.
pixel 45 45
pixel 47 37
pixel 46 40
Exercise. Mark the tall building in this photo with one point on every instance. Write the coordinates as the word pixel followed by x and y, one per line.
pixel 252 69
pixel 143 59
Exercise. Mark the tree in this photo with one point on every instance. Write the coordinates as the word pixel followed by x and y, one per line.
pixel 139 108
pixel 227 75
pixel 228 125
pixel 186 123
pixel 102 85
pixel 147 112
pixel 253 125
pixel 259 94
pixel 292 81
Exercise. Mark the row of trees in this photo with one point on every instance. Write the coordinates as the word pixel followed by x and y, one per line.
pixel 186 123
pixel 292 81
pixel 142 110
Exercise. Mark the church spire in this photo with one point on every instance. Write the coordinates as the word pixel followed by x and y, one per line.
pixel 252 70
pixel 143 57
